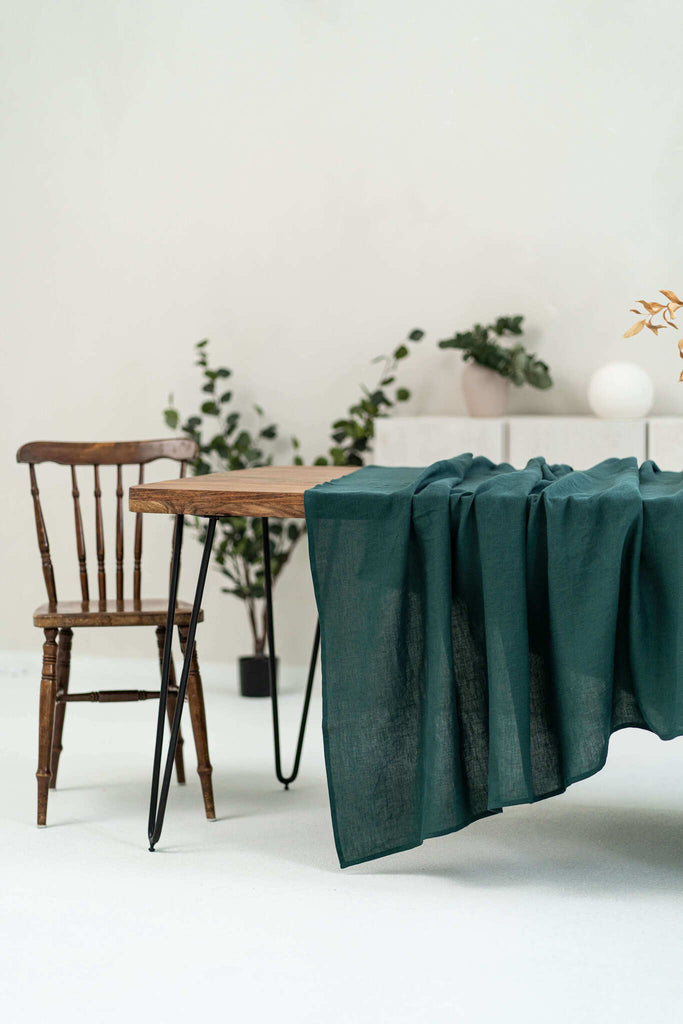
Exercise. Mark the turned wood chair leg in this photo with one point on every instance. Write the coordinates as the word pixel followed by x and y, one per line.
pixel 48 689
pixel 62 686
pixel 171 706
pixel 195 696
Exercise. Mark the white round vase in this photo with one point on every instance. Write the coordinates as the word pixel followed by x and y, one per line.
pixel 620 391
pixel 486 392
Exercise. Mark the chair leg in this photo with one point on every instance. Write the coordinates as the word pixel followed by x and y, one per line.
pixel 195 696
pixel 171 705
pixel 62 685
pixel 48 689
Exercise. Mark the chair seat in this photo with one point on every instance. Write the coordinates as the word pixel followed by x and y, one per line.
pixel 149 612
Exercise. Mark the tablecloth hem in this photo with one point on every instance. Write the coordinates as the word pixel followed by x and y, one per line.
pixel 449 830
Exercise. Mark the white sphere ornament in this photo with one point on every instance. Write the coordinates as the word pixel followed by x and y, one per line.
pixel 621 391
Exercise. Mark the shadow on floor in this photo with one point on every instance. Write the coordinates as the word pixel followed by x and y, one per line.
pixel 579 847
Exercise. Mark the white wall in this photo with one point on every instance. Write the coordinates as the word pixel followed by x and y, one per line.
pixel 304 182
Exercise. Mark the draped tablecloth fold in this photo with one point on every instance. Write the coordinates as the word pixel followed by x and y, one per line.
pixel 484 631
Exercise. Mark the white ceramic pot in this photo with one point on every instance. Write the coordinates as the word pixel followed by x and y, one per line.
pixel 486 392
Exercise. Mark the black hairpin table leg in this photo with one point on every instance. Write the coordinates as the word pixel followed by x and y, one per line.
pixel 158 809
pixel 284 779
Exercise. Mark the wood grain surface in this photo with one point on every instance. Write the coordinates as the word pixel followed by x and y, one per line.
pixel 276 491
pixel 148 612
pixel 107 453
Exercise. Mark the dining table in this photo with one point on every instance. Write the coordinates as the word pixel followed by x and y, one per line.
pixel 265 492
pixel 483 629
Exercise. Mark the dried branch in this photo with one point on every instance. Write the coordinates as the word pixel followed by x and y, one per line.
pixel 654 310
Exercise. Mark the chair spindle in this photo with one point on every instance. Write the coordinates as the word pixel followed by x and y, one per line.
pixel 43 545
pixel 119 535
pixel 80 537
pixel 137 555
pixel 99 531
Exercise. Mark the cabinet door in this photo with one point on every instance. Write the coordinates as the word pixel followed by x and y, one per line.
pixel 421 440
pixel 665 442
pixel 577 441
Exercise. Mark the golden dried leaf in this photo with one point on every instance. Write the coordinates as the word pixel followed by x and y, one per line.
pixel 637 327
pixel 655 328
pixel 670 322
pixel 671 296
pixel 638 312
pixel 680 348
pixel 651 307
pixel 681 377
pixel 673 306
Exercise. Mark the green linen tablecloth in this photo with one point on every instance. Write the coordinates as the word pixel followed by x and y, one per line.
pixel 484 631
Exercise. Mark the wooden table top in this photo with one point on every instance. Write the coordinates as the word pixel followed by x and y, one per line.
pixel 276 491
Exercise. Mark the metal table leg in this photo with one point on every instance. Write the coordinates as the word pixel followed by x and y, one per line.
pixel 284 779
pixel 158 809
pixel 157 804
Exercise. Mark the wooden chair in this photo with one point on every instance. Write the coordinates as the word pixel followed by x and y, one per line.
pixel 58 618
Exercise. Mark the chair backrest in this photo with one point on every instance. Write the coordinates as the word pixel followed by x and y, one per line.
pixel 111 453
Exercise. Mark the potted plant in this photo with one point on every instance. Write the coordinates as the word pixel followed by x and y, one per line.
pixel 492 367
pixel 227 440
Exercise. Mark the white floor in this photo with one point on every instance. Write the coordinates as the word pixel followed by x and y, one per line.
pixel 567 911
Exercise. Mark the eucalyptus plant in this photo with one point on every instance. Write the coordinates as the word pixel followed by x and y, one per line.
pixel 228 440
pixel 353 434
pixel 512 362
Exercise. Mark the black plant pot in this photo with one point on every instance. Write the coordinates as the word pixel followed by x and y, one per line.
pixel 254 676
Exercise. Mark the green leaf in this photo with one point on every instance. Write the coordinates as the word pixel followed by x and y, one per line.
pixel 416 335
pixel 202 344
pixel 223 372
pixel 401 352
pixel 209 388
pixel 402 394
pixel 226 396
pixel 209 408
pixel 171 417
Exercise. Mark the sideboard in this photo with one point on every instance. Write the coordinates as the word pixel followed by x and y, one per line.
pixel 579 441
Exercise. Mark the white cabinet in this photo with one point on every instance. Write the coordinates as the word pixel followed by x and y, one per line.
pixel 578 441
pixel 665 441
pixel 421 440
